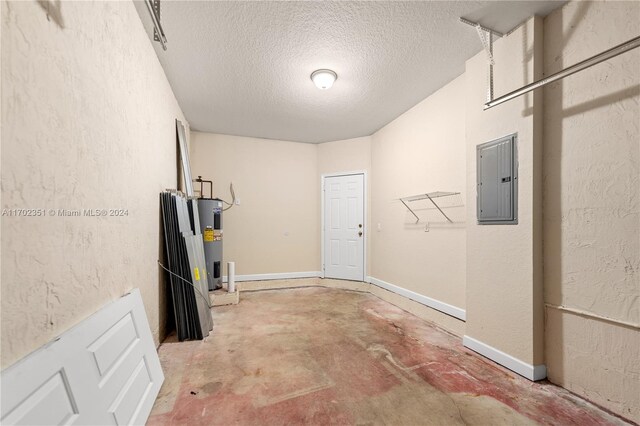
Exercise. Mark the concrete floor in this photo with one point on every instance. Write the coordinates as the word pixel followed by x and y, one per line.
pixel 324 356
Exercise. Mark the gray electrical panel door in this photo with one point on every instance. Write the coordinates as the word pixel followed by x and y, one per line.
pixel 497 168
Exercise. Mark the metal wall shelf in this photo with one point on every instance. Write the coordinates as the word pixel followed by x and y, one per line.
pixel 431 196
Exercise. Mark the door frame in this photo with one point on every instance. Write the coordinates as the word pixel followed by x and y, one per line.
pixel 365 211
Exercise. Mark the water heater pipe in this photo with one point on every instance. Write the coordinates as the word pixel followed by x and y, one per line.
pixel 231 277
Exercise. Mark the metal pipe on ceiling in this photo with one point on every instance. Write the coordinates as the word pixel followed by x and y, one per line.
pixel 607 54
pixel 158 31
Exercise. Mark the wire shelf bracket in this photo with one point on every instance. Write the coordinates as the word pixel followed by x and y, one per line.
pixel 431 196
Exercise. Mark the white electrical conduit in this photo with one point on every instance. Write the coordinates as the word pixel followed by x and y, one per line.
pixel 607 54
pixel 594 316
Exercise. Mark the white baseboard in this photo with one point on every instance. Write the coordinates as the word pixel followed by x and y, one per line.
pixel 280 276
pixel 531 372
pixel 443 307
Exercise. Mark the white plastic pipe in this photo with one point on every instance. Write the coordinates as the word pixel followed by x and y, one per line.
pixel 231 277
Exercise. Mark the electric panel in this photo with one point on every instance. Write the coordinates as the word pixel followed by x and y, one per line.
pixel 497 181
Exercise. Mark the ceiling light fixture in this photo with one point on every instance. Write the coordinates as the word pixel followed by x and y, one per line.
pixel 323 79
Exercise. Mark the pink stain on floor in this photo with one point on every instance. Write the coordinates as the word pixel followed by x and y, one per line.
pixel 450 367
pixel 322 356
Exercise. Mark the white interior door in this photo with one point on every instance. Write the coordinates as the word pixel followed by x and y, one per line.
pixel 103 371
pixel 344 227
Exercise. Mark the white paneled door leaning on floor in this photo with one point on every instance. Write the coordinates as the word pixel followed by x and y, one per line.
pixel 103 371
pixel 344 226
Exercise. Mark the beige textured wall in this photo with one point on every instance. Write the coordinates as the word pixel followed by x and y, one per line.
pixel 421 151
pixel 504 282
pixel 592 205
pixel 87 123
pixel 345 156
pixel 350 155
pixel 276 227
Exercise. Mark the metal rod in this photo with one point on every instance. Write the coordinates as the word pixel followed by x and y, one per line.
pixel 156 23
pixel 475 24
pixel 607 54
pixel 594 316
pixel 438 207
pixel 409 208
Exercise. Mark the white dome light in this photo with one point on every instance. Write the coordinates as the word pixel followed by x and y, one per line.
pixel 323 79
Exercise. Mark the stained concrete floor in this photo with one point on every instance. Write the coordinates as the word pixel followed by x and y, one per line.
pixel 323 356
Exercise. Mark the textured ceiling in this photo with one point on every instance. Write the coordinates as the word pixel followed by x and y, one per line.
pixel 242 68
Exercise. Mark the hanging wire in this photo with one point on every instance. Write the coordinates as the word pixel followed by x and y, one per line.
pixel 233 198
pixel 188 282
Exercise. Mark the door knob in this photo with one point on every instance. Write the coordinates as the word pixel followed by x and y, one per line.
pixel 360 233
pixel 359 225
